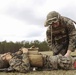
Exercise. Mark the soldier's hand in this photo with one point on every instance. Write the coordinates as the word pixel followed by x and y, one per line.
pixel 68 53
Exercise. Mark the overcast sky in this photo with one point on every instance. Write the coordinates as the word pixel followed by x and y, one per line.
pixel 24 19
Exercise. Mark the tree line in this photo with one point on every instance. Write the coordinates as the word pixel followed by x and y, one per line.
pixel 15 46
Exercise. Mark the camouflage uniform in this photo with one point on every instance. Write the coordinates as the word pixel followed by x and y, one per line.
pixel 20 63
pixel 63 37
pixel 59 62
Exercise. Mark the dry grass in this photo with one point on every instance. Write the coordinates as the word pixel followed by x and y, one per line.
pixel 54 72
pixel 51 53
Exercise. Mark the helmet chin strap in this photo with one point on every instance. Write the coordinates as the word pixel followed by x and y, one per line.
pixel 51 36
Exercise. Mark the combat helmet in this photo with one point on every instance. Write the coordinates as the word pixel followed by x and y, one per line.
pixel 53 16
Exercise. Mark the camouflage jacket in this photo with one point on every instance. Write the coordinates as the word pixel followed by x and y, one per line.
pixel 63 37
pixel 20 63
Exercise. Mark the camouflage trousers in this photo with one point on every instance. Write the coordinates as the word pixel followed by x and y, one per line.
pixel 59 62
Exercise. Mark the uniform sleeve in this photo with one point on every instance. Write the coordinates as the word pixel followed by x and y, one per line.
pixel 20 63
pixel 72 35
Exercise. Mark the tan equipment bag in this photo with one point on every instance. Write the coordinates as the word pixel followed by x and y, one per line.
pixel 36 60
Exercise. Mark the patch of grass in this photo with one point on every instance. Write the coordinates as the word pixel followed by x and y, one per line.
pixel 54 72
pixel 51 53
